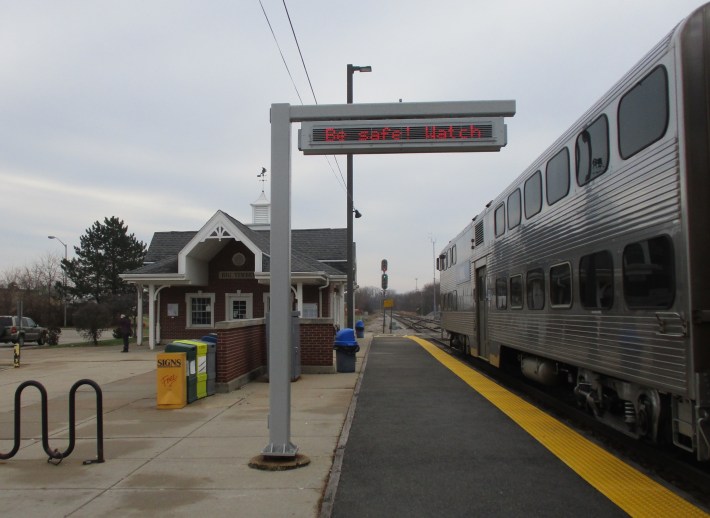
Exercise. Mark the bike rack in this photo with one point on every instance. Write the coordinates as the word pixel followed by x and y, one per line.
pixel 56 455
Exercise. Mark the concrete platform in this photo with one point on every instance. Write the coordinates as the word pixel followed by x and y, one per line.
pixel 186 462
pixel 431 437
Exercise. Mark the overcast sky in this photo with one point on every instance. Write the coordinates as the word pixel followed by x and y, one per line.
pixel 157 111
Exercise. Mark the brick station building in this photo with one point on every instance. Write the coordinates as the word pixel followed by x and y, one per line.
pixel 216 280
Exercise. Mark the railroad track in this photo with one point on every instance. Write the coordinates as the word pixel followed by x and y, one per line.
pixel 418 323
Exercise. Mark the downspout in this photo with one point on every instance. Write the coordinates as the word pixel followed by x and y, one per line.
pixel 320 296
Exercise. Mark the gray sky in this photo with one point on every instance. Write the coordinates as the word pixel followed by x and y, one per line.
pixel 157 111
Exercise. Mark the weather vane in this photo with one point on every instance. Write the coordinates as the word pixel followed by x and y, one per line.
pixel 262 178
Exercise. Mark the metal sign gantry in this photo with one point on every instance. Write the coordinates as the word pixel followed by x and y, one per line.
pixel 282 116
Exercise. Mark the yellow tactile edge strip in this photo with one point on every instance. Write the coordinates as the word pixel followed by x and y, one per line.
pixel 629 489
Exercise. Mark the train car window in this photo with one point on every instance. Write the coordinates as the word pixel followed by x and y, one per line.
pixel 535 289
pixel 561 286
pixel 516 292
pixel 592 151
pixel 514 213
pixel 648 267
pixel 596 280
pixel 643 113
pixel 533 195
pixel 501 294
pixel 557 177
pixel 500 220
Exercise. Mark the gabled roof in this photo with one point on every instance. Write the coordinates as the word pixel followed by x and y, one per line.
pixel 313 251
pixel 325 244
pixel 167 244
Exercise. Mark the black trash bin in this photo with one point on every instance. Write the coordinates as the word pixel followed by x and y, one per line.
pixel 345 347
pixel 360 329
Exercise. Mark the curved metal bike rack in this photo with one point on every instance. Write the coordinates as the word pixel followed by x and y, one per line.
pixel 56 455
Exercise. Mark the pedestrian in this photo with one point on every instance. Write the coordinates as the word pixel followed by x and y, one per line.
pixel 124 326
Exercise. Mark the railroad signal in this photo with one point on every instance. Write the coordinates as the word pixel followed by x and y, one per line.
pixel 384 265
pixel 384 281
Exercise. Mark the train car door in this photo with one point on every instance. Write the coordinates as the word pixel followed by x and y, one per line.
pixel 482 312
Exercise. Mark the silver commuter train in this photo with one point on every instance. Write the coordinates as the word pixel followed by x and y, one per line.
pixel 593 267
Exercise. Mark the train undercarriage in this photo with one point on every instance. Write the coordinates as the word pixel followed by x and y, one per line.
pixel 628 407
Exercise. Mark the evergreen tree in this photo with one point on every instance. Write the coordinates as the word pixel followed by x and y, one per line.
pixel 105 251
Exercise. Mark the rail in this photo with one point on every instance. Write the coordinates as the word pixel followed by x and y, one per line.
pixel 56 455
pixel 418 323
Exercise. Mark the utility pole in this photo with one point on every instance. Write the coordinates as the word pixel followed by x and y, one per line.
pixel 433 257
pixel 350 300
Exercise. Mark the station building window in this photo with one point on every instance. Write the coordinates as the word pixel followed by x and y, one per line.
pixel 239 306
pixel 200 309
pixel 535 289
pixel 501 293
pixel 596 280
pixel 561 286
pixel 557 177
pixel 643 113
pixel 516 292
pixel 648 267
pixel 533 195
pixel 514 212
pixel 592 151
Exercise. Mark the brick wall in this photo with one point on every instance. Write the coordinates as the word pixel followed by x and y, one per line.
pixel 240 354
pixel 317 337
pixel 241 350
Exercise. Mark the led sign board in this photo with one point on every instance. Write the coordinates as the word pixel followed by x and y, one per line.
pixel 402 136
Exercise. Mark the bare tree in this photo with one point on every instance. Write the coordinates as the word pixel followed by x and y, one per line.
pixel 34 286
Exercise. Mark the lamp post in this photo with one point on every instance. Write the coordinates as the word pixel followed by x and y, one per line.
pixel 349 302
pixel 65 278
pixel 433 256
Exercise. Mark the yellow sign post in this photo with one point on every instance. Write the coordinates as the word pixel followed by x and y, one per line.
pixel 171 380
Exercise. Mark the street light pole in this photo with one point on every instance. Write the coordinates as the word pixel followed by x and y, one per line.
pixel 349 301
pixel 433 256
pixel 65 278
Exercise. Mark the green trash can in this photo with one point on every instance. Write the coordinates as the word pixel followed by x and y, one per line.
pixel 190 350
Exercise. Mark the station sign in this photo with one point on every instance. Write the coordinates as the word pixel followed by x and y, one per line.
pixel 402 136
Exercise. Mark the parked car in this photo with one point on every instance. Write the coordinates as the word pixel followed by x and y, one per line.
pixel 11 331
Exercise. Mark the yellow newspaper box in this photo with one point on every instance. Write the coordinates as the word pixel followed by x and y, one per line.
pixel 172 380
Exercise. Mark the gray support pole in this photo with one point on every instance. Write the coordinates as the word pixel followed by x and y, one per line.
pixel 280 319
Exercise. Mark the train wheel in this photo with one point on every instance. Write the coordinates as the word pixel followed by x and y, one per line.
pixel 644 418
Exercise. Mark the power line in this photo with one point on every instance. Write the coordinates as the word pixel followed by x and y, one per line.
pixel 280 52
pixel 299 52
pixel 341 180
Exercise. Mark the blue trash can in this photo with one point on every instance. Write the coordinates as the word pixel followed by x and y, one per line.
pixel 360 329
pixel 345 347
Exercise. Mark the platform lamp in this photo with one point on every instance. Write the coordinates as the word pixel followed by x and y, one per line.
pixel 349 301
pixel 65 278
